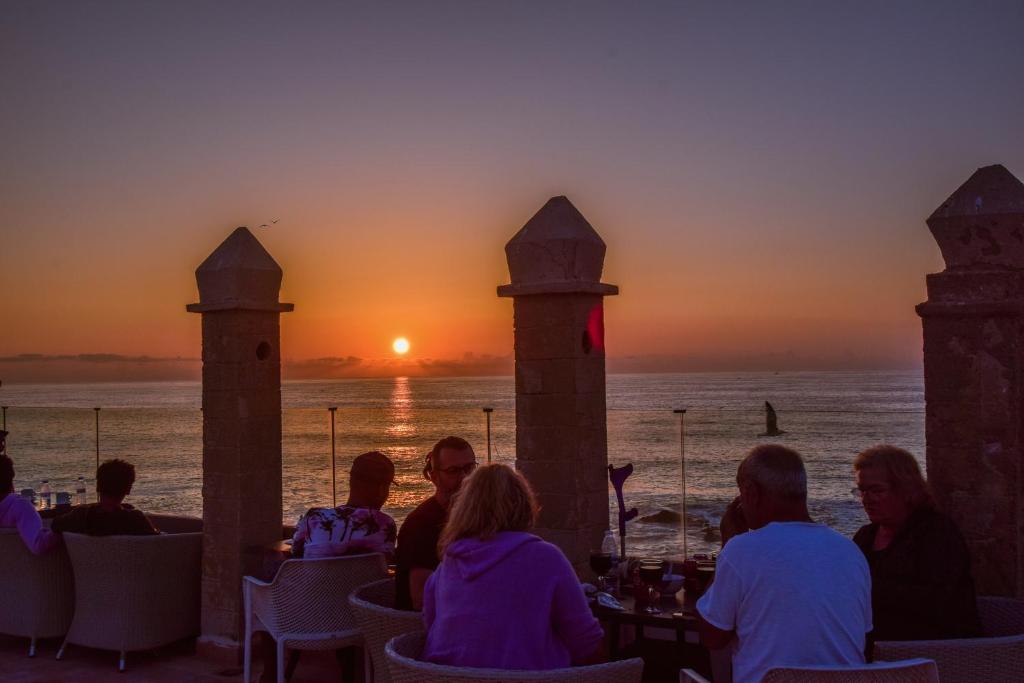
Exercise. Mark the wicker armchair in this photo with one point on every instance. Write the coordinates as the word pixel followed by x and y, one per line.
pixel 306 606
pixel 909 671
pixel 997 657
pixel 134 592
pixel 403 661
pixel 39 593
pixel 379 621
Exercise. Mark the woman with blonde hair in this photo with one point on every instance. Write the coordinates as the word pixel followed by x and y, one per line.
pixel 502 597
pixel 921 585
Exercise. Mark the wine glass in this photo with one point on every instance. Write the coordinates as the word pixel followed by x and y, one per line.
pixel 650 574
pixel 601 563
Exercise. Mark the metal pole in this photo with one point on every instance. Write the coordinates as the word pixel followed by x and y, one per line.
pixel 5 418
pixel 682 467
pixel 334 475
pixel 97 437
pixel 488 412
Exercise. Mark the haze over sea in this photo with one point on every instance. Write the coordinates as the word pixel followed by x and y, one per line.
pixel 827 416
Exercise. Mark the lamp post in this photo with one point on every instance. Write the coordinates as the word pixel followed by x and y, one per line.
pixel 488 412
pixel 682 468
pixel 334 481
pixel 5 417
pixel 97 437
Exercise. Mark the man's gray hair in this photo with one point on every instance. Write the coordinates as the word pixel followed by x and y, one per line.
pixel 776 470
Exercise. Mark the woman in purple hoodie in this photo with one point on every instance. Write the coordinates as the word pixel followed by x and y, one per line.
pixel 501 597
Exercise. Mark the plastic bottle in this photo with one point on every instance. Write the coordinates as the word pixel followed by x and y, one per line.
pixel 80 491
pixel 45 495
pixel 610 545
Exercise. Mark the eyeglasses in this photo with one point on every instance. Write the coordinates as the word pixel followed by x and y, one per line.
pixel 874 492
pixel 460 469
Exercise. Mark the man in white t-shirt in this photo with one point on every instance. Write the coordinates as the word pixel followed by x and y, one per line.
pixel 789 592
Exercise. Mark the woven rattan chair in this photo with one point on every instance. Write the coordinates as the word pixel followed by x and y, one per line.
pixel 1001 616
pixel 909 671
pixel 306 606
pixel 39 593
pixel 997 657
pixel 403 661
pixel 134 592
pixel 691 676
pixel 374 607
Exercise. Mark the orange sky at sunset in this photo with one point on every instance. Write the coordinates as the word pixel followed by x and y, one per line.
pixel 761 178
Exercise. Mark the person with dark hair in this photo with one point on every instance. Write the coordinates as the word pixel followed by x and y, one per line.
pixel 18 513
pixel 788 592
pixel 358 526
pixel 111 516
pixel 921 584
pixel 445 466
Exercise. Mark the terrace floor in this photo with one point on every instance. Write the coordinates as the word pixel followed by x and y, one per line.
pixel 174 664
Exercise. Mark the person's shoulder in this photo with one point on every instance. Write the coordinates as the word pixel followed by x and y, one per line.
pixel 384 518
pixel 426 513
pixel 73 520
pixel 315 512
pixel 936 520
pixel 19 505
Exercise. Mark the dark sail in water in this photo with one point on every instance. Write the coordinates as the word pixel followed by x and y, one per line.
pixel 771 421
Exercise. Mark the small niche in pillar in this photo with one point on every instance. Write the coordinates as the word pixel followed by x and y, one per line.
pixel 263 351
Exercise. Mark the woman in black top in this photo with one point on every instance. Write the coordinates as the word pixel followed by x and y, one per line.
pixel 921 585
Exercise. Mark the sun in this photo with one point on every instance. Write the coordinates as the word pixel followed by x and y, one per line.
pixel 401 346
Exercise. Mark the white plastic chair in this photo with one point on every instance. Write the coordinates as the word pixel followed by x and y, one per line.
pixel 374 607
pixel 906 671
pixel 306 605
pixel 403 654
pixel 996 656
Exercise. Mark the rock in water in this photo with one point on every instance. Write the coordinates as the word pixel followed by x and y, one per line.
pixel 663 517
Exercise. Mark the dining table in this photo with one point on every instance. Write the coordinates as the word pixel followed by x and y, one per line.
pixel 677 613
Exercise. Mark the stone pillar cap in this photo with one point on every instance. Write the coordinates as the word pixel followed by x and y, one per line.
pixel 981 225
pixel 556 252
pixel 239 275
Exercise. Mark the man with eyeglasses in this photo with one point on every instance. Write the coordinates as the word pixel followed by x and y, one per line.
pixel 446 465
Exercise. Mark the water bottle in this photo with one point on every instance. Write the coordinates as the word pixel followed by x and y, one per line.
pixel 45 495
pixel 80 491
pixel 610 545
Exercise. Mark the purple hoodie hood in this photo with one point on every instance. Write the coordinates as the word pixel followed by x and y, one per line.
pixel 471 557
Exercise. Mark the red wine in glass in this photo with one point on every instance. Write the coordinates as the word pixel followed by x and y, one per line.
pixel 601 563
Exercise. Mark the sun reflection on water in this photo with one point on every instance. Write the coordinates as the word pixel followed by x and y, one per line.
pixel 399 411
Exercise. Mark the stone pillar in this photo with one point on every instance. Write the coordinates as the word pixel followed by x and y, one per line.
pixel 974 373
pixel 555 265
pixel 238 290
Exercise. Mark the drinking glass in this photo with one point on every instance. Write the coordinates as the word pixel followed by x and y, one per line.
pixel 651 574
pixel 601 563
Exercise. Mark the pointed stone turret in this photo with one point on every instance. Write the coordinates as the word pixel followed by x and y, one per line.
pixel 555 263
pixel 981 225
pixel 238 292
pixel 239 274
pixel 556 251
pixel 974 373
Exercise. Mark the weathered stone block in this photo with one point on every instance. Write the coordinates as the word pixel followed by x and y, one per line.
pixel 543 343
pixel 550 476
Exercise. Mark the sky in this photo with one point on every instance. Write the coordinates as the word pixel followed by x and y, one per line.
pixel 760 173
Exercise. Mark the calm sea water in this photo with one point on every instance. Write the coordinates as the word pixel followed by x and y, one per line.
pixel 827 416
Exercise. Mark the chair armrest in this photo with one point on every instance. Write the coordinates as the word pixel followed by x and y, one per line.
pixel 253 580
pixel 691 676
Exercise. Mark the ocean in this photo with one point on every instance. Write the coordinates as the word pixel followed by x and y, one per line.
pixel 827 416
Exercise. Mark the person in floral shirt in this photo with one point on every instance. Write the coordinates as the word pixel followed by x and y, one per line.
pixel 358 526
